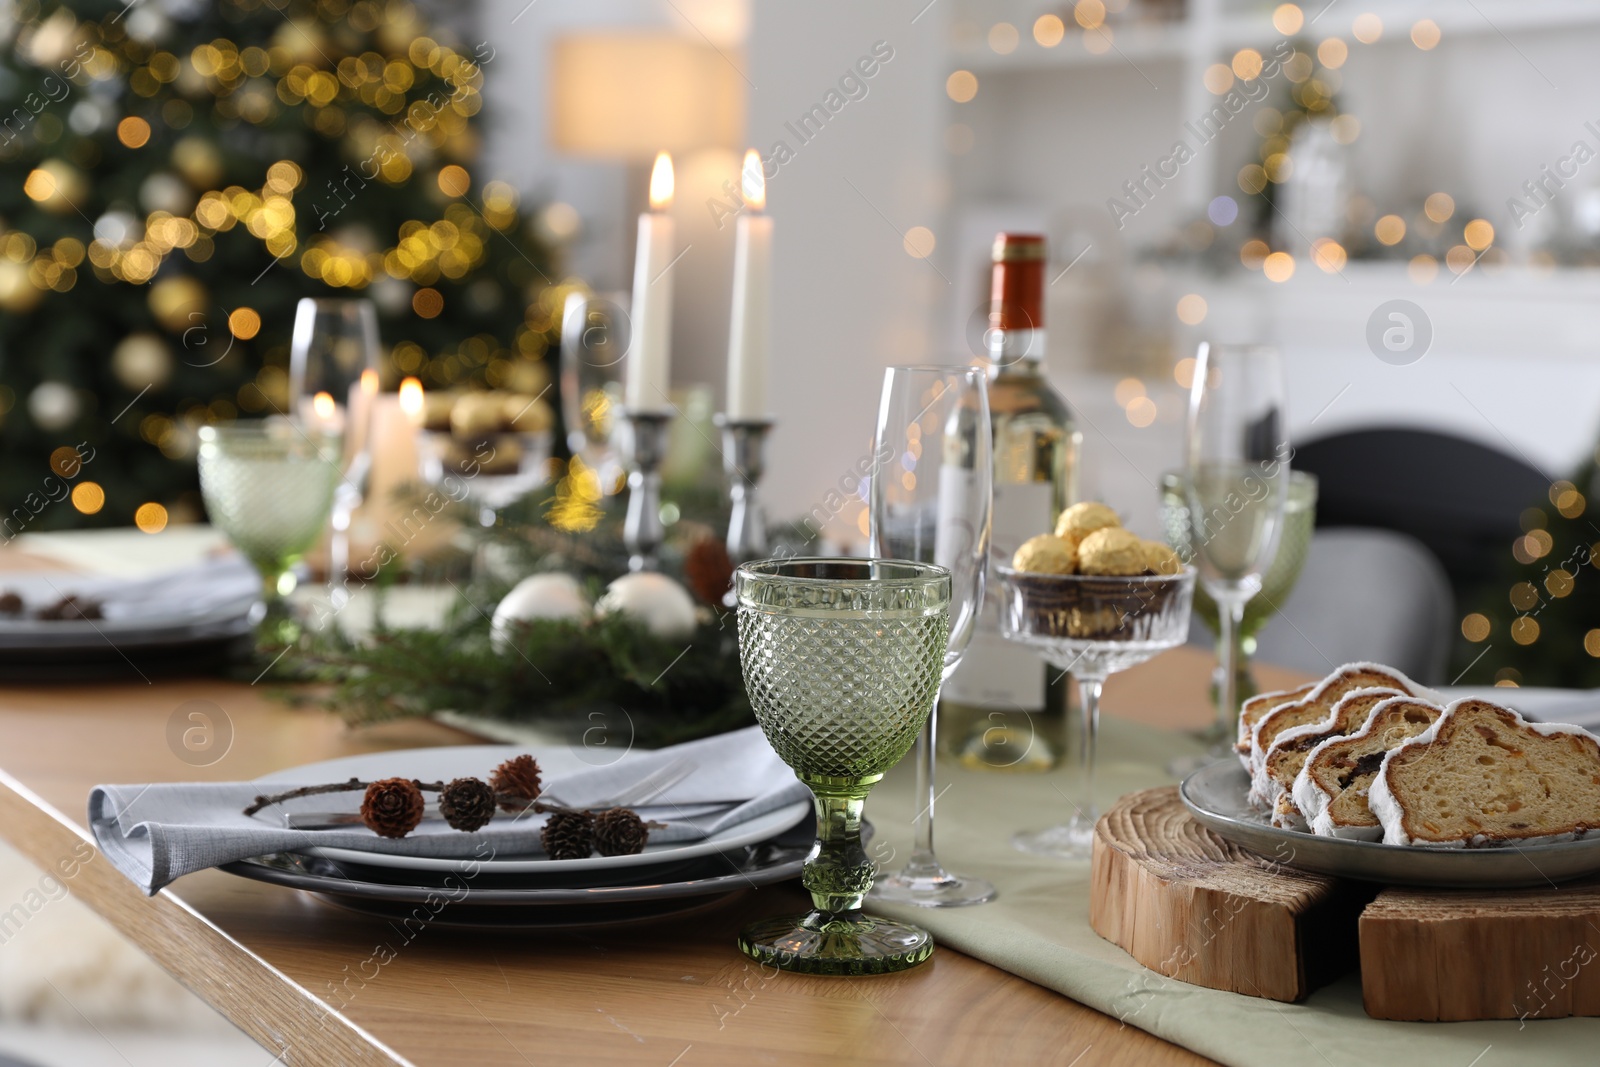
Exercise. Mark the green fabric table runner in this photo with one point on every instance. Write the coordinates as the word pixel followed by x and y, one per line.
pixel 1039 929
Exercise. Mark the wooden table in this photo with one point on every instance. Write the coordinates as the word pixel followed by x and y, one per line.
pixel 300 976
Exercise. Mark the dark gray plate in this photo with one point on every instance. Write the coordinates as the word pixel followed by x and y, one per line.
pixel 512 900
pixel 1216 796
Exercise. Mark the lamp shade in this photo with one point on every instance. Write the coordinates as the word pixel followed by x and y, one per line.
pixel 629 96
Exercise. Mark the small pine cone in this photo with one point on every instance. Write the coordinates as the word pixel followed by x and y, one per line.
pixel 619 832
pixel 568 835
pixel 392 807
pixel 707 570
pixel 467 804
pixel 516 783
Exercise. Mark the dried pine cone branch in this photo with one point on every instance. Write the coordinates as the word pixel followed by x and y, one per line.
pixel 619 832
pixel 467 804
pixel 516 783
pixel 568 835
pixel 305 791
pixel 392 807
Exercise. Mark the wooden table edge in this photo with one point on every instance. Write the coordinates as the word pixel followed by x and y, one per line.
pixel 280 1014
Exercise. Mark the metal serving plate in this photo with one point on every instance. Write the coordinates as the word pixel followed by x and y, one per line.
pixel 1216 796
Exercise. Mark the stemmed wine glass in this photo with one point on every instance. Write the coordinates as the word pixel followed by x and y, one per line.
pixel 1277 581
pixel 930 502
pixel 842 662
pixel 333 380
pixel 1236 473
pixel 269 486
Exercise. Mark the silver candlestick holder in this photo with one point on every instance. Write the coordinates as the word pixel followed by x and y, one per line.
pixel 642 531
pixel 742 444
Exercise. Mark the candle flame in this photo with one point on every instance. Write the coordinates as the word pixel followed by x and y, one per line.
pixel 369 382
pixel 322 404
pixel 411 398
pixel 661 183
pixel 754 182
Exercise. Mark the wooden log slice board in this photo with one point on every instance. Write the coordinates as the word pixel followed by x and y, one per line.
pixel 1194 907
pixel 1452 955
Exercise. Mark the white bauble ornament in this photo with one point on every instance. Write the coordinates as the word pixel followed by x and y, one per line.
pixel 664 607
pixel 53 405
pixel 543 596
pixel 140 360
pixel 165 191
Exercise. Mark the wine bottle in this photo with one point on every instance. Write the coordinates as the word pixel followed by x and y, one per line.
pixel 1003 710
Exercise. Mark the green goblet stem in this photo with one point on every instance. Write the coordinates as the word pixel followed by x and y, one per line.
pixel 838 873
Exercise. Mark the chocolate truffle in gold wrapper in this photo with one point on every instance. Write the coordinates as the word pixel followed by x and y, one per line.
pixel 1083 519
pixel 1111 551
pixel 1160 558
pixel 1045 554
pixel 477 415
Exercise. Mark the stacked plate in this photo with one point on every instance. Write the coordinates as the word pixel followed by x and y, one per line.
pixel 532 890
pixel 181 617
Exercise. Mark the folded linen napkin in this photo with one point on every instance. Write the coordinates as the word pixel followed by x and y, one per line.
pixel 157 833
pixel 210 584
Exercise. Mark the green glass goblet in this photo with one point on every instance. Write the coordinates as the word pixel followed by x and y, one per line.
pixel 269 486
pixel 842 660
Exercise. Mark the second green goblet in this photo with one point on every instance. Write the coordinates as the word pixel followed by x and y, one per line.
pixel 842 661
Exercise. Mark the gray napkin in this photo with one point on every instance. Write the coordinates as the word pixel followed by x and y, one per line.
pixel 156 833
pixel 209 584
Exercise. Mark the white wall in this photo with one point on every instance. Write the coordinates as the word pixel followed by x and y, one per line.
pixel 848 299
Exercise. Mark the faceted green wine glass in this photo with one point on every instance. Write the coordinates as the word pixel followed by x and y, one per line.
pixel 842 660
pixel 269 486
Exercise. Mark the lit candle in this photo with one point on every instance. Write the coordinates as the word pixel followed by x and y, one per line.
pixel 649 359
pixel 362 395
pixel 412 400
pixel 748 334
pixel 326 415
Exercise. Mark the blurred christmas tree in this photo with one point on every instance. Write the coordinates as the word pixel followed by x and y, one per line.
pixel 175 174
pixel 1539 624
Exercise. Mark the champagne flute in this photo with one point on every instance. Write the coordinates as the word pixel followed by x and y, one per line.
pixel 1236 471
pixel 595 334
pixel 842 662
pixel 333 380
pixel 930 502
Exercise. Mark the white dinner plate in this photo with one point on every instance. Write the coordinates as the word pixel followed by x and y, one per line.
pixel 461 761
pixel 1217 796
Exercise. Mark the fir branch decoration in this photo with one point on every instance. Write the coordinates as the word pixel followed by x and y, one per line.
pixel 610 675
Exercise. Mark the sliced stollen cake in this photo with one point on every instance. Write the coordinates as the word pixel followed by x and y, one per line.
pixel 1315 705
pixel 1484 775
pixel 1271 786
pixel 1251 711
pixel 1331 789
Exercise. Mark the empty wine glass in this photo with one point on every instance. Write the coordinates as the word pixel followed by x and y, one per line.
pixel 930 502
pixel 1277 581
pixel 1236 473
pixel 333 381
